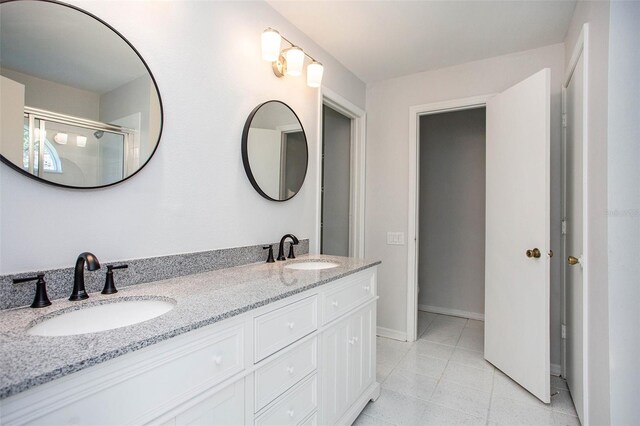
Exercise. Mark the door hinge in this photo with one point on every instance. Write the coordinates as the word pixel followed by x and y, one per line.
pixel 564 227
pixel 563 330
pixel 564 120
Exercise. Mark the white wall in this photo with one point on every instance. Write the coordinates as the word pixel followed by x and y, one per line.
pixel 56 97
pixel 596 13
pixel 136 97
pixel 388 105
pixel 452 210
pixel 194 194
pixel 624 211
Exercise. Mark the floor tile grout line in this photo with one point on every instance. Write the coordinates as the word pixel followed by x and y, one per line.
pixel 493 384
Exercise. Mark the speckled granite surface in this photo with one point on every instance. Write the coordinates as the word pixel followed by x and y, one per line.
pixel 60 281
pixel 201 299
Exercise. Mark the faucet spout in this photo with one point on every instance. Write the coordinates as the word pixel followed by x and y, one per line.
pixel 294 241
pixel 79 292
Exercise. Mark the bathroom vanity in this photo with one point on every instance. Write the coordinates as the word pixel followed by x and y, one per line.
pixel 257 344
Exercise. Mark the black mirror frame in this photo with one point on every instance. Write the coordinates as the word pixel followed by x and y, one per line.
pixel 245 153
pixel 38 179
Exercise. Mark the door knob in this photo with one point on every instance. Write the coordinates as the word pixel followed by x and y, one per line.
pixel 571 260
pixel 533 253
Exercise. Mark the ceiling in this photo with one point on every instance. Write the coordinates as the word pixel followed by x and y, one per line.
pixel 378 40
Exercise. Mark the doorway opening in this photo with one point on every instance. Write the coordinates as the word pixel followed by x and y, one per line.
pixel 451 208
pixel 515 336
pixel 335 220
pixel 341 174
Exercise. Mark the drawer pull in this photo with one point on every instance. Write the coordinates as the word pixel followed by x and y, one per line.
pixel 290 325
pixel 353 340
pixel 217 359
pixel 366 288
pixel 290 413
pixel 290 370
pixel 335 303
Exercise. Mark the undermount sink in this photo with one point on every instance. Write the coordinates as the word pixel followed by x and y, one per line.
pixel 311 265
pixel 101 317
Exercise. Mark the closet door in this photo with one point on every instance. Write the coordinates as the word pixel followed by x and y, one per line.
pixel 518 233
pixel 335 374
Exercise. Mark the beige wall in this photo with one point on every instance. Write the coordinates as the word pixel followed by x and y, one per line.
pixel 388 104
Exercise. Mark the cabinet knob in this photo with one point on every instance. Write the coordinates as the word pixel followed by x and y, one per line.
pixel 335 303
pixel 217 359
pixel 290 413
pixel 366 288
pixel 290 325
pixel 290 370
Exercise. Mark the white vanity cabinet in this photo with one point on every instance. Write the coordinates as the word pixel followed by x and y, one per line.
pixel 348 354
pixel 307 359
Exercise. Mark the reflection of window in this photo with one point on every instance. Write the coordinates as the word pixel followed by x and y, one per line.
pixel 51 160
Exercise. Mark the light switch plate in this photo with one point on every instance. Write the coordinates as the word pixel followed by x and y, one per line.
pixel 395 238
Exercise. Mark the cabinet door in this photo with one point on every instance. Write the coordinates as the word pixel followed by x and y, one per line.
pixel 360 357
pixel 225 407
pixel 335 382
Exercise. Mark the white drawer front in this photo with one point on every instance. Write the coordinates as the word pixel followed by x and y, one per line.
pixel 312 420
pixel 346 296
pixel 225 407
pixel 280 328
pixel 138 390
pixel 276 377
pixel 294 407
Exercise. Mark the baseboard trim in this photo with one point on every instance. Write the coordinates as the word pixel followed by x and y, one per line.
pixel 391 333
pixel 452 312
pixel 556 370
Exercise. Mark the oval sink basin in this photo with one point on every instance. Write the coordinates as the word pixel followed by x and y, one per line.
pixel 101 317
pixel 310 266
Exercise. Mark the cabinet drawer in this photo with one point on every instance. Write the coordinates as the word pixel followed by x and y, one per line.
pixel 280 328
pixel 130 391
pixel 312 420
pixel 294 407
pixel 347 295
pixel 225 407
pixel 276 377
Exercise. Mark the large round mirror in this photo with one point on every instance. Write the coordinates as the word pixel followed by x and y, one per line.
pixel 274 151
pixel 79 106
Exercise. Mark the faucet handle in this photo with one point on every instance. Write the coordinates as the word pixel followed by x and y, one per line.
pixel 270 255
pixel 41 299
pixel 109 284
pixel 291 254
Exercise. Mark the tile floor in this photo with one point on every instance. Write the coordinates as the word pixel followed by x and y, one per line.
pixel 443 379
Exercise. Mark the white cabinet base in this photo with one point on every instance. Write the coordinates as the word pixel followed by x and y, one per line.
pixel 271 365
pixel 371 394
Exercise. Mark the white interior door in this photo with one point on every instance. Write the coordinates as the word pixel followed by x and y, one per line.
pixel 517 220
pixel 574 240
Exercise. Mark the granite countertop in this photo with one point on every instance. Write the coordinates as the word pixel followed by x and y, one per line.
pixel 200 299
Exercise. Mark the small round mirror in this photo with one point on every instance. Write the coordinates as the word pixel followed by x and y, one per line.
pixel 80 108
pixel 274 151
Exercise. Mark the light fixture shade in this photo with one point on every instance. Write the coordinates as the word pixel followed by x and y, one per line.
pixel 295 61
pixel 81 141
pixel 61 138
pixel 270 45
pixel 314 74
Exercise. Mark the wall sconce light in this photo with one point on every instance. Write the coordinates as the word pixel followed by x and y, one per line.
pixel 61 138
pixel 289 61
